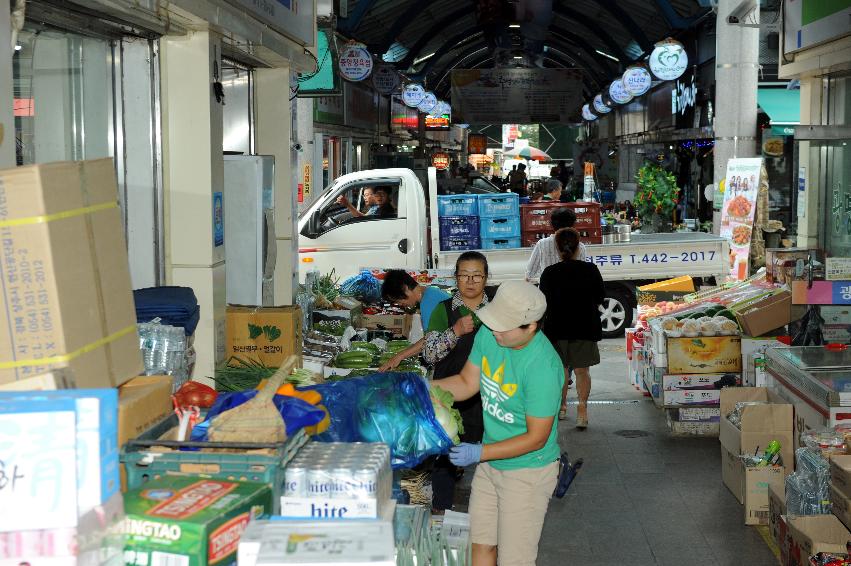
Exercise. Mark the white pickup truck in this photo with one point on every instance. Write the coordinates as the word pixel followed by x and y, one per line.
pixel 331 238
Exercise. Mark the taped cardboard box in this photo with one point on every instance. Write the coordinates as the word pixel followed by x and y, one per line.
pixel 62 378
pixel 264 334
pixel 776 510
pixel 66 277
pixel 812 534
pixel 840 505
pixel 143 402
pixel 704 354
pixel 840 474
pixel 758 480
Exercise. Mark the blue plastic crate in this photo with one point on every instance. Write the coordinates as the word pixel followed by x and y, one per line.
pixel 500 243
pixel 499 227
pixel 459 226
pixel 502 204
pixel 457 205
pixel 462 244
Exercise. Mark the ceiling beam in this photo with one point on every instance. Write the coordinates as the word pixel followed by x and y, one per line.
pixel 450 44
pixel 569 38
pixel 429 34
pixel 415 8
pixel 348 25
pixel 592 26
pixel 628 23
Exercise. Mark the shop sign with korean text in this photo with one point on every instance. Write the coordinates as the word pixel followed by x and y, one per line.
pixel 477 144
pixel 669 60
pixel 637 80
pixel 385 79
pixel 515 96
pixel 413 94
pixel 355 62
pixel 440 161
pixel 737 213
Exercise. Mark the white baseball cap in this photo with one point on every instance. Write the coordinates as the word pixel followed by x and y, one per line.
pixel 516 303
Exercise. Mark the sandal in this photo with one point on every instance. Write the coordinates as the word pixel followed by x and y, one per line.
pixel 582 416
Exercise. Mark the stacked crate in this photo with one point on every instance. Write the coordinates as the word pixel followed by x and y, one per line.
pixel 458 217
pixel 536 225
pixel 499 221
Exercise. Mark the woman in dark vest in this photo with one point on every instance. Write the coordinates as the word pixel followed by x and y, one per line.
pixel 448 343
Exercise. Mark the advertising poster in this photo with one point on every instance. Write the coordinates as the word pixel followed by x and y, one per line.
pixel 737 213
pixel 218 219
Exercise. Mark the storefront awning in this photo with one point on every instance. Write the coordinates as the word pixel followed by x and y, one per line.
pixel 782 106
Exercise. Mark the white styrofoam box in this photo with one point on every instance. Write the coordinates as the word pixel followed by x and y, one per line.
pixel 699 414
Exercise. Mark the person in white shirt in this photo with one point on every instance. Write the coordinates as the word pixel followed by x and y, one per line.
pixel 545 254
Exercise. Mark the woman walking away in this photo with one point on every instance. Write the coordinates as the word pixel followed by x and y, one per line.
pixel 545 254
pixel 519 375
pixel 574 291
pixel 448 342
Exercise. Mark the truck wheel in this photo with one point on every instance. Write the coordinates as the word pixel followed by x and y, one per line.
pixel 615 314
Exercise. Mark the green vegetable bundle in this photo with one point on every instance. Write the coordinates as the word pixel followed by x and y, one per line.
pixel 354 359
pixel 332 327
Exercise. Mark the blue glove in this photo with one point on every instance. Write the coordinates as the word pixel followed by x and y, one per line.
pixel 465 454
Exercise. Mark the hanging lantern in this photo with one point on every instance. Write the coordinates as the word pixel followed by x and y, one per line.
pixel 600 106
pixel 669 60
pixel 587 114
pixel 637 80
pixel 413 94
pixel 618 92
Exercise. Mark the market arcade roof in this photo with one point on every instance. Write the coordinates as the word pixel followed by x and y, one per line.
pixel 428 39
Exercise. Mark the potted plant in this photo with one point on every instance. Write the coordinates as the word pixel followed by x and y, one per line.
pixel 657 197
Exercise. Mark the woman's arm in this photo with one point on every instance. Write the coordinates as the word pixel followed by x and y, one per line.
pixel 438 345
pixel 465 384
pixel 537 432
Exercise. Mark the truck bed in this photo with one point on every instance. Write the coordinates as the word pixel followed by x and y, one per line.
pixel 647 256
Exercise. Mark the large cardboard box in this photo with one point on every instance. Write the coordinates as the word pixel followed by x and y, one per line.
pixel 812 534
pixel 756 500
pixel 840 505
pixel 705 354
pixel 398 324
pixel 143 402
pixel 776 510
pixel 60 378
pixel 840 474
pixel 760 425
pixel 65 277
pixel 265 334
pixel 766 315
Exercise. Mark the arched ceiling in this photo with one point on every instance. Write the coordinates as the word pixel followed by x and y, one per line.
pixel 601 37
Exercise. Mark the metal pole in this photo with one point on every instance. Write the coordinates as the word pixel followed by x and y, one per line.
pixel 7 121
pixel 736 79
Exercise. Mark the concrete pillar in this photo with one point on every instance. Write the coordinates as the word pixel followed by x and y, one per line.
pixel 273 121
pixel 7 120
pixel 193 171
pixel 736 79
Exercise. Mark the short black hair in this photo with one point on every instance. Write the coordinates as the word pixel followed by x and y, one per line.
pixel 396 281
pixel 562 218
pixel 472 256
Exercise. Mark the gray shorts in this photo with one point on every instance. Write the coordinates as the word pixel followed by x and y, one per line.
pixel 578 353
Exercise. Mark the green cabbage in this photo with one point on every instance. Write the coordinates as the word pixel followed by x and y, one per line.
pixel 448 417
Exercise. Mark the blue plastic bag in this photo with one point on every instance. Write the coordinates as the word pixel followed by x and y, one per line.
pixel 393 408
pixel 297 413
pixel 363 286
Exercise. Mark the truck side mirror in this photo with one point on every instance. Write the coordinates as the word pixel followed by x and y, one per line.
pixel 313 223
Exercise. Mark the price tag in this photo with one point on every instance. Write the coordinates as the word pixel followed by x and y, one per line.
pixel 38 478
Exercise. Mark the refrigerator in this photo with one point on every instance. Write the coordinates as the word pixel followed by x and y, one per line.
pixel 249 222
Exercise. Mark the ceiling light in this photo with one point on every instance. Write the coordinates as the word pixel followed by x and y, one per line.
pixel 607 56
pixel 518 56
pixel 513 26
pixel 18 48
pixel 419 60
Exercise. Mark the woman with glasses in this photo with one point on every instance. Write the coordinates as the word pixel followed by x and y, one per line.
pixel 448 343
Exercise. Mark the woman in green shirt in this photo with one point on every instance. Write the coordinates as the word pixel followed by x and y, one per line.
pixel 519 375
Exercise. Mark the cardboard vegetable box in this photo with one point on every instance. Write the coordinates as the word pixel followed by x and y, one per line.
pixel 190 521
pixel 264 334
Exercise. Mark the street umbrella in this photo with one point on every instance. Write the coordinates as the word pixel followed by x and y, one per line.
pixel 528 152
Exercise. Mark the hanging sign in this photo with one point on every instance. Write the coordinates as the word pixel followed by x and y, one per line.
pixel 440 161
pixel 477 144
pixel 384 79
pixel 413 95
pixel 355 62
pixel 587 114
pixel 600 106
pixel 428 103
pixel 442 109
pixel 669 60
pixel 618 92
pixel 737 213
pixel 637 80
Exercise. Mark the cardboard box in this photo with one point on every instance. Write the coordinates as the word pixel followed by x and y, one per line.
pixel 756 497
pixel 760 425
pixel 66 276
pixel 766 315
pixel 190 521
pixel 684 283
pixel 699 414
pixel 840 505
pixel 837 269
pixel 690 428
pixel 650 298
pixel 264 334
pixel 840 474
pixel 61 378
pixel 399 324
pixel 705 354
pixel 143 402
pixel 691 381
pixel 96 440
pixel 709 397
pixel 812 534
pixel 776 510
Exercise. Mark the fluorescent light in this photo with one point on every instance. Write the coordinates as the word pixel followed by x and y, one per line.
pixel 518 56
pixel 18 48
pixel 513 26
pixel 607 56
pixel 419 60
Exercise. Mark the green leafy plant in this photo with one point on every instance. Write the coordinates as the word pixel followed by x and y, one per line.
pixel 657 192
